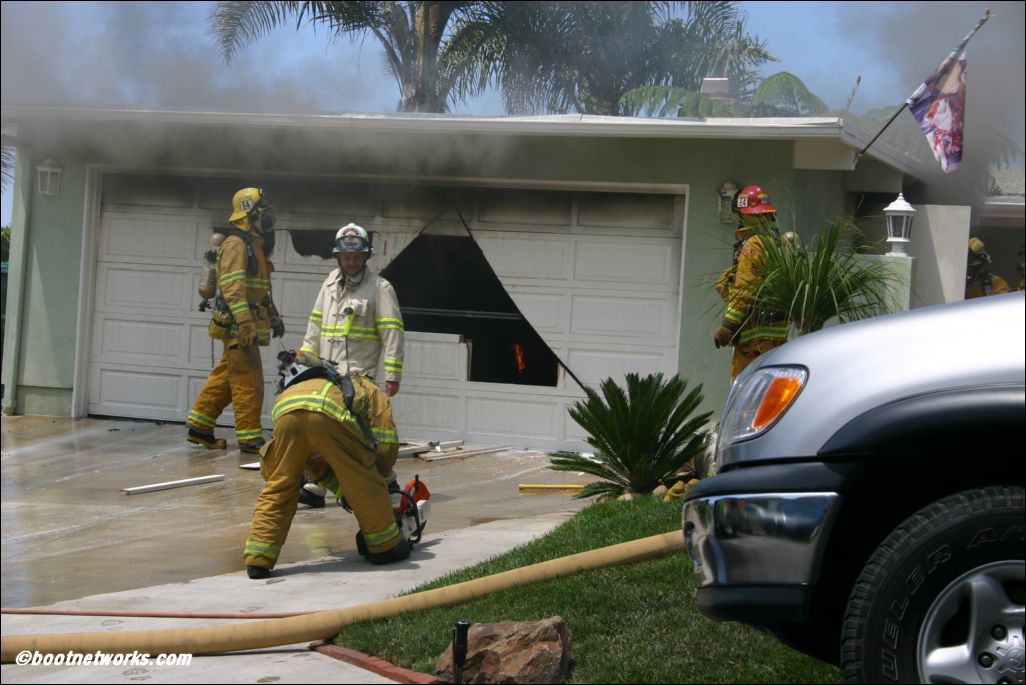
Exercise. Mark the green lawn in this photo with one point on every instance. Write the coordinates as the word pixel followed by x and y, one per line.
pixel 630 624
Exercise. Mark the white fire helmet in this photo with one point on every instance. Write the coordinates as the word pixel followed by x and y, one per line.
pixel 352 238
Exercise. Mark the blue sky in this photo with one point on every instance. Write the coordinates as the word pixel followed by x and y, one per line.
pixel 158 55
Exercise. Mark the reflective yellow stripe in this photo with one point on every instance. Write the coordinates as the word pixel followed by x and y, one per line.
pixel 268 550
pixel 201 419
pixel 393 364
pixel 382 538
pixel 249 434
pixel 317 402
pixel 315 315
pixel 734 316
pixel 386 435
pixel 388 322
pixel 231 277
pixel 767 332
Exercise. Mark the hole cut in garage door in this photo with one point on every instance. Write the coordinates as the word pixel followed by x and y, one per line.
pixel 445 285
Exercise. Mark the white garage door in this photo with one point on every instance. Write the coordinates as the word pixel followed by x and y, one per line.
pixel 596 274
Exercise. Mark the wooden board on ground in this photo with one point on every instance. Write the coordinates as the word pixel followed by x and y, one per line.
pixel 412 448
pixel 460 452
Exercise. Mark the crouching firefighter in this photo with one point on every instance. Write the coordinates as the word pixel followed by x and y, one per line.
pixel 320 412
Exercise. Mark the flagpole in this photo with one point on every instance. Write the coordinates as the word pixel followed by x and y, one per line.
pixel 986 15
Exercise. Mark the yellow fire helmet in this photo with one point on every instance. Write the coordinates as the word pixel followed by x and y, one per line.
pixel 245 201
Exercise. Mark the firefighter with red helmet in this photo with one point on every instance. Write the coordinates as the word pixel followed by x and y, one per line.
pixel 243 318
pixel 751 330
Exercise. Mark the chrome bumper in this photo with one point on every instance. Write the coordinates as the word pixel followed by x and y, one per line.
pixel 758 539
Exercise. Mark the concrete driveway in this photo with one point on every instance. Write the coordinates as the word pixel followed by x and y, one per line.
pixel 70 535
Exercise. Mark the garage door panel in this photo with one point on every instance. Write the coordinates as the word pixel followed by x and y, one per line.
pixel 140 342
pixel 138 289
pixel 436 356
pixel 420 411
pixel 145 239
pixel 621 316
pixel 136 392
pixel 547 313
pixel 512 418
pixel 651 262
pixel 628 210
pixel 520 257
pixel 594 366
pixel 295 295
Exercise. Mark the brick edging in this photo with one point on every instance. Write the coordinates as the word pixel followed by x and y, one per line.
pixel 373 664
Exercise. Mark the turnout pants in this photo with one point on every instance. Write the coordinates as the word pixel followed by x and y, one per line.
pixel 746 353
pixel 238 379
pixel 297 435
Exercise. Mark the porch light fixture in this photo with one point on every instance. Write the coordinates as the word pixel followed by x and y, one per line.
pixel 899 215
pixel 726 202
pixel 49 177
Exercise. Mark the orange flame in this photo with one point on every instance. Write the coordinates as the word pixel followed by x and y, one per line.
pixel 518 352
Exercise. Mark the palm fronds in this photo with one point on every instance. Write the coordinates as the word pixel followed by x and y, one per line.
pixel 827 280
pixel 642 434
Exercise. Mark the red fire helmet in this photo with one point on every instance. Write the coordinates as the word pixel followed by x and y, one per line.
pixel 753 200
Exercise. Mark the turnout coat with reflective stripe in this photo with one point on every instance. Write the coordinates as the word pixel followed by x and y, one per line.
pixel 354 325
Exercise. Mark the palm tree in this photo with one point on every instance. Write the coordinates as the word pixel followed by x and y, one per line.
pixel 642 436
pixel 584 56
pixel 779 95
pixel 416 38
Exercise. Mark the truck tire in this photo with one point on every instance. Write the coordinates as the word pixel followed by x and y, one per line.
pixel 941 598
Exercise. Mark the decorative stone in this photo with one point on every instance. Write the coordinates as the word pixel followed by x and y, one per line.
pixel 513 652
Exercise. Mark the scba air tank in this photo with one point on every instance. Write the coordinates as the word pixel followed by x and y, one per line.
pixel 208 277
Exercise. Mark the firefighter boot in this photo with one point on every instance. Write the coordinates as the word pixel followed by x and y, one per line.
pixel 312 495
pixel 251 446
pixel 397 553
pixel 258 572
pixel 206 439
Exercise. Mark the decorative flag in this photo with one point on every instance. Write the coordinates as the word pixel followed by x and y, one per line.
pixel 939 105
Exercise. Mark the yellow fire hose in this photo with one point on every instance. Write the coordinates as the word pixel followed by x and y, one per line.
pixel 324 625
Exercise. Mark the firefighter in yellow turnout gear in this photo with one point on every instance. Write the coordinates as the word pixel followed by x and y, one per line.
pixel 979 281
pixel 243 318
pixel 745 326
pixel 311 416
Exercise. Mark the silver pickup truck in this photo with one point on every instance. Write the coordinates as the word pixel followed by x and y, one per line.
pixel 868 508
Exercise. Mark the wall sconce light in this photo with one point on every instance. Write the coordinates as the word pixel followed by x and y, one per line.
pixel 726 202
pixel 899 215
pixel 49 177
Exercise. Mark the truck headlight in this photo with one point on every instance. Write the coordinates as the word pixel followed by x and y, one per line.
pixel 758 401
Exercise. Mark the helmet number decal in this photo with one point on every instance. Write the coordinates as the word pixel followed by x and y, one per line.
pixel 246 204
pixel 742 201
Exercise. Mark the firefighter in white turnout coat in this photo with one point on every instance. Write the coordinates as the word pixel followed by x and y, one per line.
pixel 354 323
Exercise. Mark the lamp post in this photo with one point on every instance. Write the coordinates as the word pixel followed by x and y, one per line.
pixel 899 215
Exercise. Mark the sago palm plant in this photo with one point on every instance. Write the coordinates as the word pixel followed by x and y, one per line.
pixel 828 280
pixel 642 436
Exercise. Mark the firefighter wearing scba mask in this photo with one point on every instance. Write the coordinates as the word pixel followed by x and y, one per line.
pixel 746 327
pixel 355 323
pixel 244 318
pixel 979 281
pixel 323 414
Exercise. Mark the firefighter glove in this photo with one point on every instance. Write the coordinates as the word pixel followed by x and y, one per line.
pixel 723 335
pixel 277 326
pixel 308 359
pixel 247 333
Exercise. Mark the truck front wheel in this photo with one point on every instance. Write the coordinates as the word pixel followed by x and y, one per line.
pixel 941 598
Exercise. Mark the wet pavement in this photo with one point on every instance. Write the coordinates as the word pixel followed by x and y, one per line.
pixel 68 531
